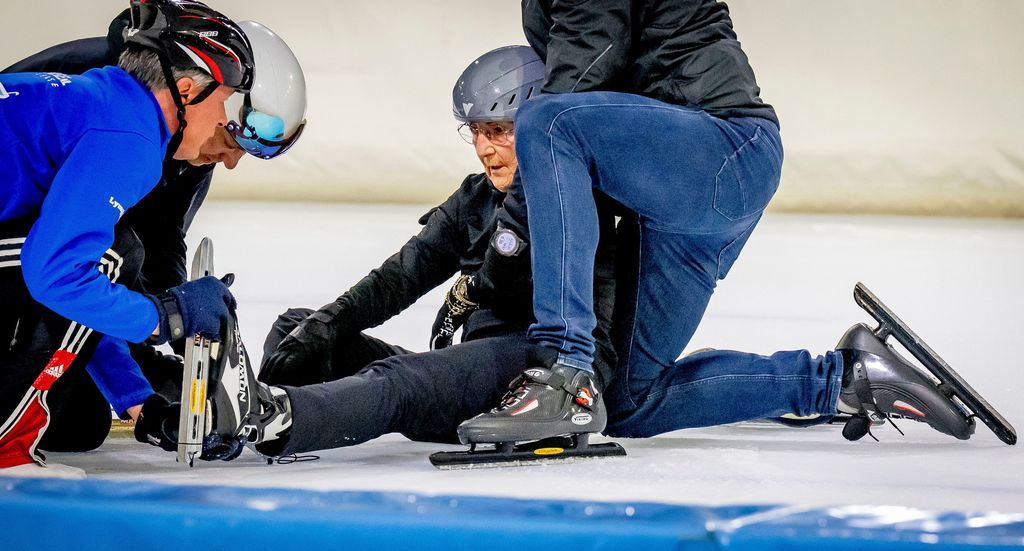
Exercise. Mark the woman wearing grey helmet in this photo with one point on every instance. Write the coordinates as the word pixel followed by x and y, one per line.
pixel 654 103
pixel 373 387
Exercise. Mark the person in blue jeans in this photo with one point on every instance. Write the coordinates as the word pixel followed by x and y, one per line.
pixel 653 104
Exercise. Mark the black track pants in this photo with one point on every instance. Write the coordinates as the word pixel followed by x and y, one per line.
pixel 423 395
pixel 47 400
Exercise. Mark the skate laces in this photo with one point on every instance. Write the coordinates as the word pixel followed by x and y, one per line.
pixel 886 416
pixel 519 386
pixel 295 458
pixel 889 418
pixel 516 394
pixel 894 425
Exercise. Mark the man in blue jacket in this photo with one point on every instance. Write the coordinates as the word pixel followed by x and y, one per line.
pixel 66 140
pixel 162 218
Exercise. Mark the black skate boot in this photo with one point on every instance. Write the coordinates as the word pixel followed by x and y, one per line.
pixel 540 403
pixel 552 410
pixel 245 411
pixel 223 406
pixel 879 384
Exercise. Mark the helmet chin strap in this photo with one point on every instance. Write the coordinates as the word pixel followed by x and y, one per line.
pixel 172 86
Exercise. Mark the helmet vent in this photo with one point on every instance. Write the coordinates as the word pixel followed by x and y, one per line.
pixel 497 83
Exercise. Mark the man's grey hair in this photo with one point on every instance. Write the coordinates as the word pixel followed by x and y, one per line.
pixel 144 65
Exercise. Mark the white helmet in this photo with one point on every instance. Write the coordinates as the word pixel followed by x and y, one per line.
pixel 270 118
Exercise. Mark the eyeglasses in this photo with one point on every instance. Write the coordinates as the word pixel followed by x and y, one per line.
pixel 261 134
pixel 497 134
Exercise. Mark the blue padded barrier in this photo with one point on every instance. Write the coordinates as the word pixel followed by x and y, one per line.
pixel 97 514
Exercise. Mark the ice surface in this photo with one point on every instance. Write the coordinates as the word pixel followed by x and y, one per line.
pixel 955 282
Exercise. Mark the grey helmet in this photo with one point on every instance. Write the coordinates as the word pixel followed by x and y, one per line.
pixel 494 86
pixel 269 119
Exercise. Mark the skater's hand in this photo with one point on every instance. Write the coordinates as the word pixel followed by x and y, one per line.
pixel 157 423
pixel 204 306
pixel 459 303
pixel 304 352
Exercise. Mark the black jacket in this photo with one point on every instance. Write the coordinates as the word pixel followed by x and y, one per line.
pixel 455 239
pixel 678 51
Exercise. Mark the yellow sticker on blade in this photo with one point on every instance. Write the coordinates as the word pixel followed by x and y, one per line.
pixel 192 401
pixel 198 397
pixel 548 451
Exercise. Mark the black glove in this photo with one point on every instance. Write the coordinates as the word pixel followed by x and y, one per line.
pixel 158 425
pixel 459 303
pixel 218 448
pixel 306 348
pixel 202 306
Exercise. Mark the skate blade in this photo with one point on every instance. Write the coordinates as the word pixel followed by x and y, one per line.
pixel 198 354
pixel 548 451
pixel 890 324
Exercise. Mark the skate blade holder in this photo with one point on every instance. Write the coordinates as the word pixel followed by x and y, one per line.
pixel 950 382
pixel 558 449
pixel 194 422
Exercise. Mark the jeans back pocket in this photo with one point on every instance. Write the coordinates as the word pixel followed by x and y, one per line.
pixel 748 178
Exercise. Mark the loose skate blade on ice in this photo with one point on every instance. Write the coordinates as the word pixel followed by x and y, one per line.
pixel 952 383
pixel 194 384
pixel 559 449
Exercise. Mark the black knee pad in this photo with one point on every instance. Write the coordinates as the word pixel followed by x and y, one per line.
pixel 285 323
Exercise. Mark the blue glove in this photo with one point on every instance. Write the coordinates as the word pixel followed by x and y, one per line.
pixel 204 306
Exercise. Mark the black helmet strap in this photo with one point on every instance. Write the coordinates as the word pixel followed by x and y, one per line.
pixel 172 86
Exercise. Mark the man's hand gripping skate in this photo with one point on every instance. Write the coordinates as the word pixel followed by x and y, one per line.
pixel 202 306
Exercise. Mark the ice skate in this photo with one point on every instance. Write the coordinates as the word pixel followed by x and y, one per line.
pixel 548 414
pixel 224 407
pixel 879 384
pixel 243 410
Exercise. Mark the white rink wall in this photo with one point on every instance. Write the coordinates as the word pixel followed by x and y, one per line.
pixel 908 107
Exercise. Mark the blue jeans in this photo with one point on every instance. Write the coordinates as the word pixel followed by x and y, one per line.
pixel 696 186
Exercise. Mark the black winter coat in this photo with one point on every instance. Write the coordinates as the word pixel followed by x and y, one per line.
pixel 678 51
pixel 455 239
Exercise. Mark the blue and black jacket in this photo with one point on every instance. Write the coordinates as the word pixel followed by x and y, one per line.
pixel 76 151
